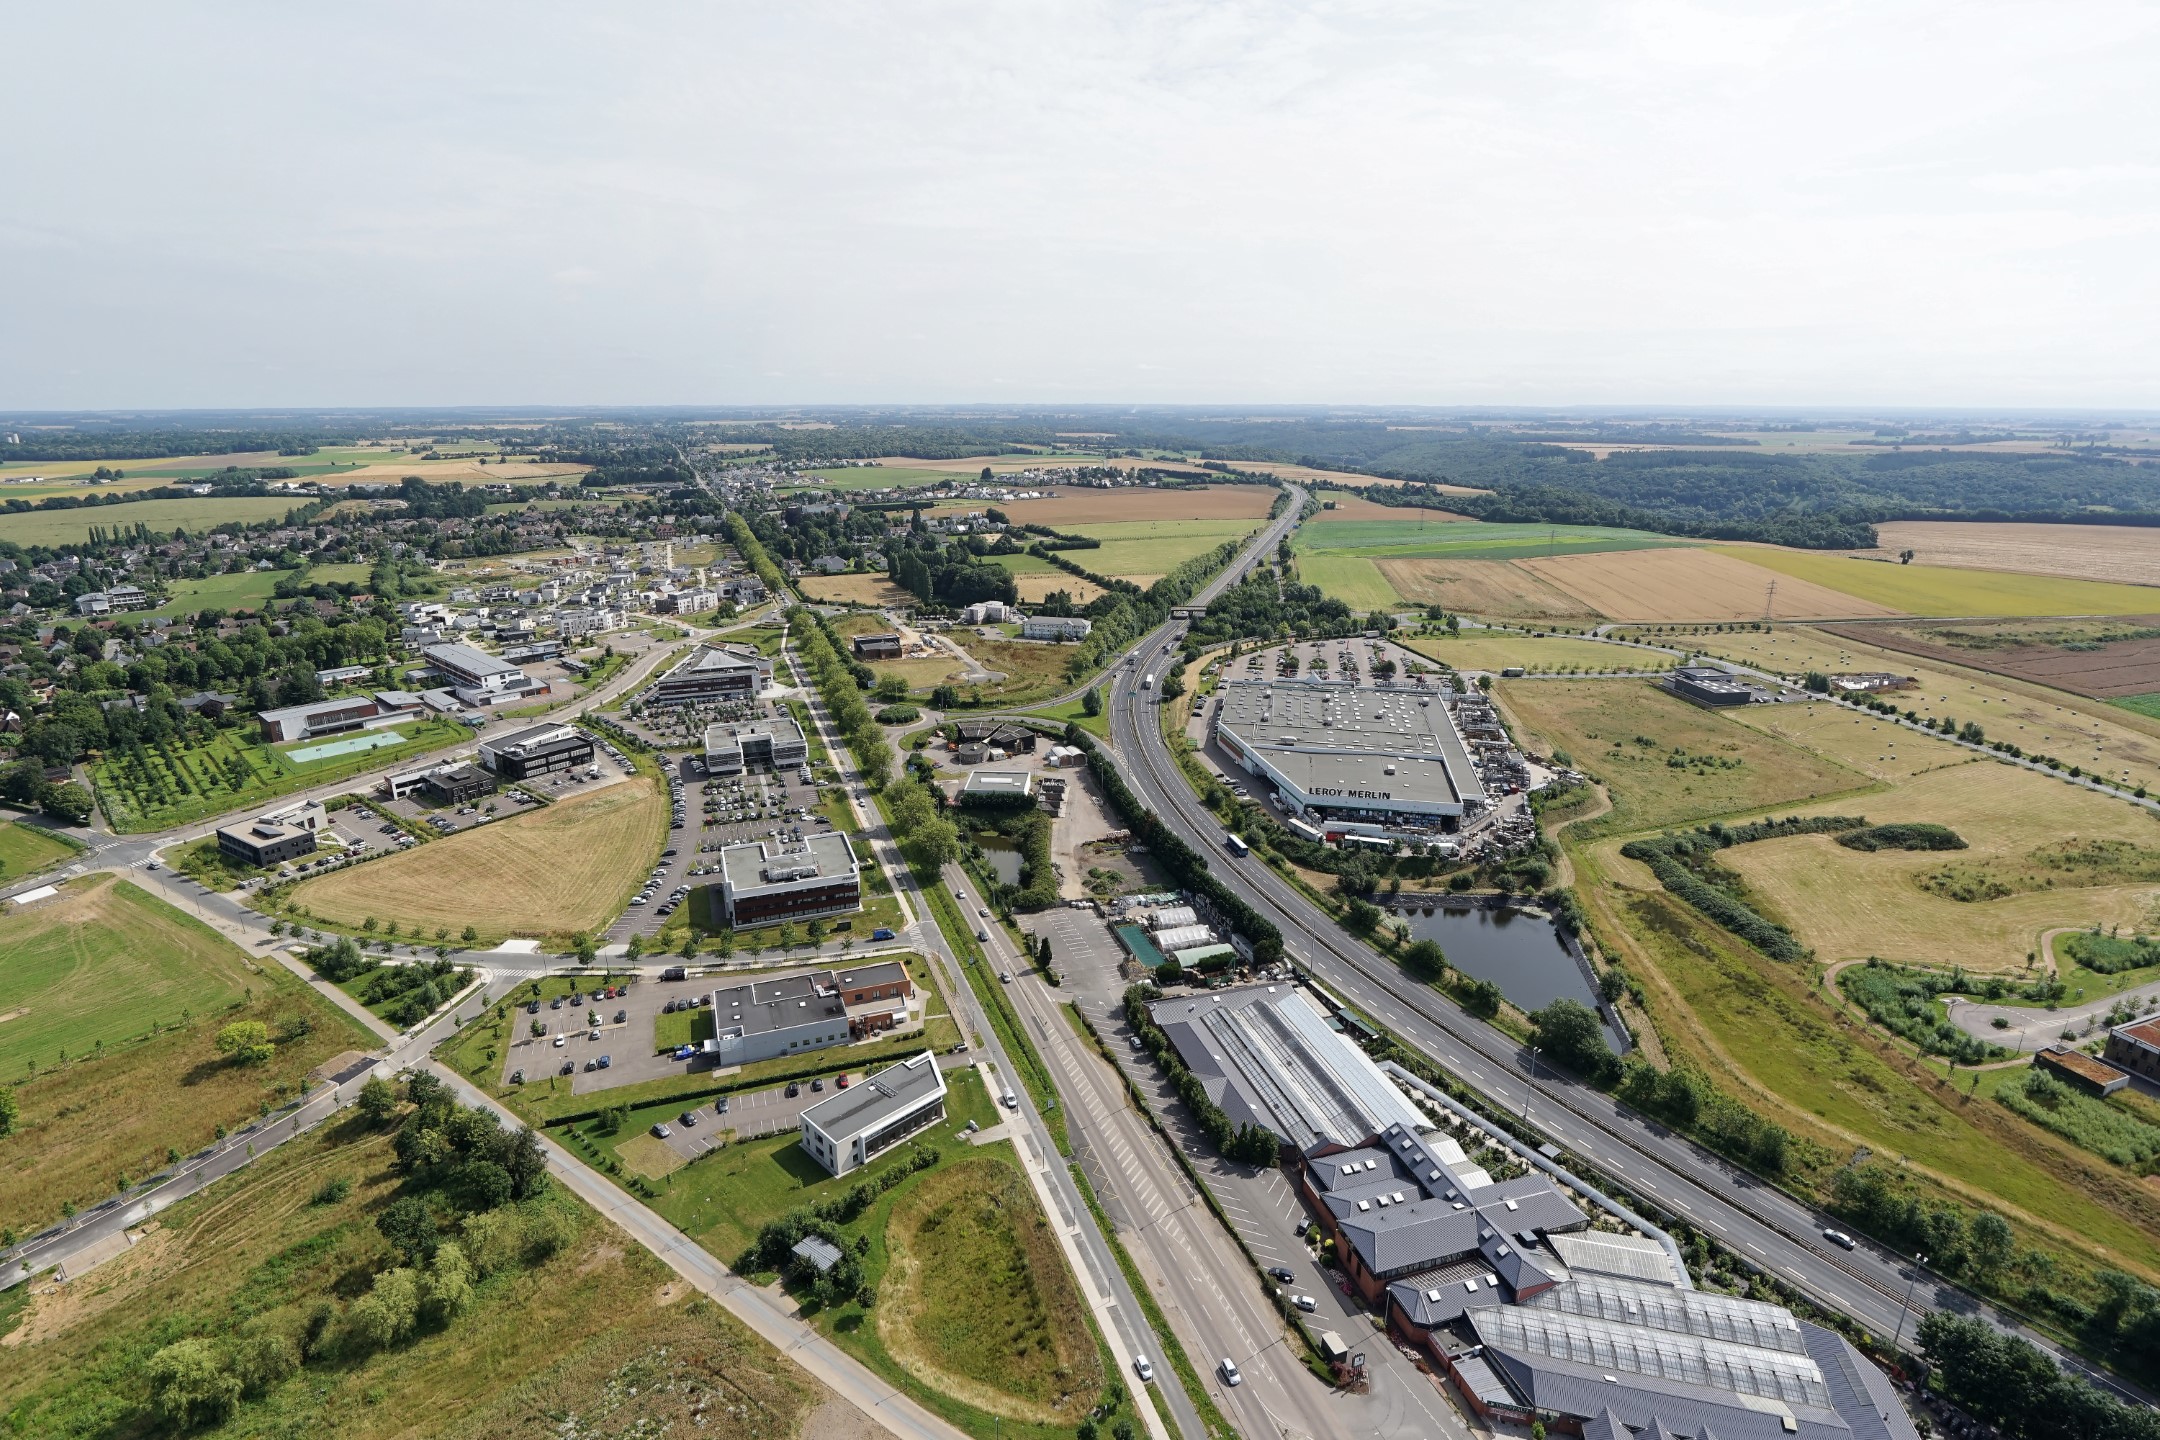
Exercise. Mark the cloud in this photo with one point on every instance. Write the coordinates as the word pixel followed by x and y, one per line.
pixel 1249 201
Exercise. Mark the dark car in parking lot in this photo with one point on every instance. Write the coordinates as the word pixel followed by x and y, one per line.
pixel 688 1117
pixel 794 1088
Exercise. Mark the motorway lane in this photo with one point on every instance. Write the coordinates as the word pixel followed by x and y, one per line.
pixel 1756 1220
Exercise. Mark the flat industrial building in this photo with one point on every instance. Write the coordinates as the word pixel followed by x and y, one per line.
pixel 865 1120
pixel 1359 753
pixel 1267 1057
pixel 1709 685
pixel 765 1019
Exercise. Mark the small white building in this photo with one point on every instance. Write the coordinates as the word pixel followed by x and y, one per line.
pixel 1055 627
pixel 854 1127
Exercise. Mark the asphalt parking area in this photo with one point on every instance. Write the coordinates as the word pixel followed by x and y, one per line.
pixel 1082 950
pixel 750 1116
pixel 627 1043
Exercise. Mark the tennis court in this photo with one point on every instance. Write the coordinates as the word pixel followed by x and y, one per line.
pixel 350 745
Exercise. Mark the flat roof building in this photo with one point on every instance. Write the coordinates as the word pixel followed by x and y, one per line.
pixel 537 751
pixel 774 743
pixel 850 1129
pixel 1368 754
pixel 1709 685
pixel 2135 1047
pixel 766 1019
pixel 765 882
pixel 877 647
pixel 711 674
pixel 333 717
pixel 274 838
pixel 479 678
pixel 1055 627
pixel 997 787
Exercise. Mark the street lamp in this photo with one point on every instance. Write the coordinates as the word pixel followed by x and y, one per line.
pixel 1912 1278
pixel 1531 1087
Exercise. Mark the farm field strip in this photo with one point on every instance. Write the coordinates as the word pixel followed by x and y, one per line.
pixel 1496 589
pixel 2129 554
pixel 1495 650
pixel 1691 584
pixel 2100 670
pixel 1076 507
pixel 196 514
pixel 1431 537
pixel 1932 590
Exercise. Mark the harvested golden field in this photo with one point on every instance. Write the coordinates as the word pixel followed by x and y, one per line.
pixel 2044 855
pixel 1308 476
pixel 2129 554
pixel 1664 761
pixel 1036 585
pixel 2121 744
pixel 463 471
pixel 1083 506
pixel 854 589
pixel 1691 584
pixel 566 867
pixel 1496 588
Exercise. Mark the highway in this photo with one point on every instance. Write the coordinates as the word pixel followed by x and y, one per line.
pixel 1762 1224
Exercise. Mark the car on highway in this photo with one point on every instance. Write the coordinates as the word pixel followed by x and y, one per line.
pixel 1144 1368
pixel 1840 1239
pixel 985 914
pixel 982 934
pixel 1230 1373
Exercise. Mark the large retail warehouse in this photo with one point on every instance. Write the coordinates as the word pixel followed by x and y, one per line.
pixel 1374 755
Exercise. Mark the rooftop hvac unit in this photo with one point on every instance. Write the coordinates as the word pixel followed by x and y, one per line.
pixel 778 874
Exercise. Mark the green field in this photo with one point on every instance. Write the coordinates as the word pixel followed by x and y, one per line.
pixel 26 849
pixel 195 515
pixel 113 999
pixel 569 1319
pixel 1152 547
pixel 1410 539
pixel 1352 579
pixel 153 788
pixel 1025 564
pixel 2146 705
pixel 1929 590
pixel 250 589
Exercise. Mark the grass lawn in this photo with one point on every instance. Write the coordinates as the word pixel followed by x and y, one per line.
pixel 26 849
pixel 194 515
pixel 1931 590
pixel 1665 761
pixel 1498 649
pixel 1352 579
pixel 2146 705
pixel 249 589
pixel 993 1335
pixel 537 874
pixel 1032 669
pixel 155 788
pixel 1074 712
pixel 114 999
pixel 600 1329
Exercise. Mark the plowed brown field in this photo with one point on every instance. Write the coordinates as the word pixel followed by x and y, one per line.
pixel 1660 585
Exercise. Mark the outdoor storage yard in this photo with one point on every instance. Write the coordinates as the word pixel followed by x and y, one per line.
pixel 533 874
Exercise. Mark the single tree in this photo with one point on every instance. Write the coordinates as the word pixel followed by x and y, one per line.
pixel 246 1042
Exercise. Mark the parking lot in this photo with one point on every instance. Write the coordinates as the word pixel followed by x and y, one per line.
pixel 627 1043
pixel 713 813
pixel 751 1115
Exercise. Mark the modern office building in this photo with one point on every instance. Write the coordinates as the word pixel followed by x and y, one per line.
pixel 1360 754
pixel 276 837
pixel 1055 627
pixel 2135 1047
pixel 1708 685
pixel 774 743
pixel 877 647
pixel 710 675
pixel 850 1129
pixel 876 995
pixel 479 678
pixel 336 717
pixel 537 751
pixel 765 882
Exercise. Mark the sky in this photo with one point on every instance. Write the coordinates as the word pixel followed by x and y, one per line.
pixel 240 204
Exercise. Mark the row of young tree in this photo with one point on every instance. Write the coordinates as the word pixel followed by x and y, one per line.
pixel 844 695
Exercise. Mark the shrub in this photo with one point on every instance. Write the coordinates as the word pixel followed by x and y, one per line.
pixel 1903 837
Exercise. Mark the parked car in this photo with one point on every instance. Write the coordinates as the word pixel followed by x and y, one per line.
pixel 817 1086
pixel 688 1117
pixel 720 1106
pixel 881 933
pixel 1305 1303
pixel 517 1077
pixel 569 1067
pixel 842 1081
pixel 606 1060
pixel 561 1040
pixel 1282 1273
pixel 794 1088
pixel 660 1130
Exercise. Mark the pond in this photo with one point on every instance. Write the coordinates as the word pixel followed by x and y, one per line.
pixel 1001 854
pixel 1521 953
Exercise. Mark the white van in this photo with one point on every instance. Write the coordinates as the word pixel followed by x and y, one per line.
pixel 1009 1100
